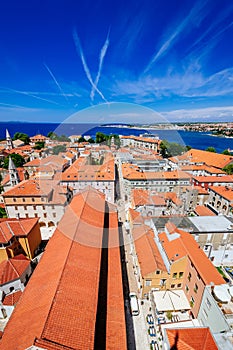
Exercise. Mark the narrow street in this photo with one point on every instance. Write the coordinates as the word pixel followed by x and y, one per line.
pixel 138 338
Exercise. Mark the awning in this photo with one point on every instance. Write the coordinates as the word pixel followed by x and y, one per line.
pixel 169 300
pixel 222 293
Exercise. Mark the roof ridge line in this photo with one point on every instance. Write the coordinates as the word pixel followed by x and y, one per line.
pixel 10 262
pixel 66 260
pixel 10 229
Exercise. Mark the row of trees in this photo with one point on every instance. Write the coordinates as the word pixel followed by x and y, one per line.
pixel 171 149
pixel 212 149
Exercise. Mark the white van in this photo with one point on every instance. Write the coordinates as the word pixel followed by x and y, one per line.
pixel 134 304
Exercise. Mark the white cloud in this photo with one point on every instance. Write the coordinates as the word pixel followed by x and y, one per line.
pixel 202 114
pixel 190 83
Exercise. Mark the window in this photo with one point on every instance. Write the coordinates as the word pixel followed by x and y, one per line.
pixel 174 275
pixel 208 303
pixel 54 215
pixel 195 288
pixel 189 276
pixel 148 283
pixel 33 199
pixel 173 285
pixel 16 208
pixel 179 285
pixel 23 199
pixel 45 215
pixel 192 301
pixel 36 215
pixel 25 207
pixel 14 199
pixel 181 274
pixel 34 207
pixel 158 272
pixel 163 282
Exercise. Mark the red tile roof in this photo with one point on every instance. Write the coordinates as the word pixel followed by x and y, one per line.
pixel 223 191
pixel 58 307
pixel 15 227
pixel 185 245
pixel 214 179
pixel 197 338
pixel 133 172
pixel 202 210
pixel 116 331
pixel 147 251
pixel 13 268
pixel 145 197
pixel 13 298
pixel 81 171
pixel 209 158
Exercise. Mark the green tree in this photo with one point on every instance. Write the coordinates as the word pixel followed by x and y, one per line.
pixel 1 187
pixel 226 152
pixel 100 137
pixel 81 139
pixel 91 140
pixel 39 145
pixel 170 149
pixel 23 137
pixel 52 135
pixel 59 148
pixel 228 169
pixel 211 149
pixel 63 138
pixel 17 159
pixel 3 213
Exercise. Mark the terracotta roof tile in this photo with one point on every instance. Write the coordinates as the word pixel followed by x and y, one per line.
pixel 13 268
pixel 80 171
pixel 12 299
pixel 58 307
pixel 185 245
pixel 145 197
pixel 213 179
pixel 116 330
pixel 191 338
pixel 202 210
pixel 223 191
pixel 15 227
pixel 133 172
pixel 148 254
pixel 209 158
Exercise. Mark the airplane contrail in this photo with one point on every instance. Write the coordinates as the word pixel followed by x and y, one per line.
pixel 101 60
pixel 55 81
pixel 85 67
pixel 31 95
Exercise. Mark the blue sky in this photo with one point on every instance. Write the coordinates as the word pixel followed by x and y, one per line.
pixel 60 57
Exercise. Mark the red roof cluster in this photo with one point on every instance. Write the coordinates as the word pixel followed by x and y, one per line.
pixel 58 307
